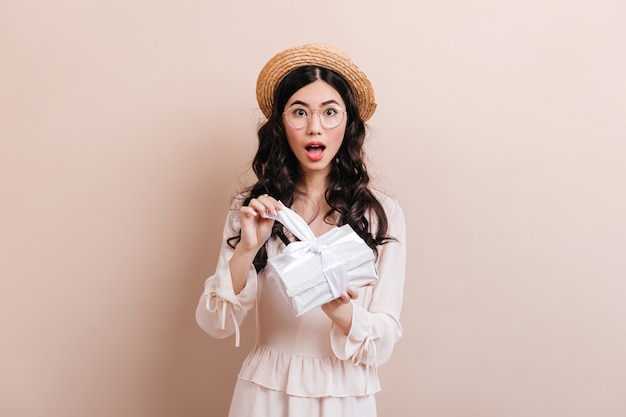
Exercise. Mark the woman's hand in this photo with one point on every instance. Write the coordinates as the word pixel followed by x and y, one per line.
pixel 339 310
pixel 255 230
pixel 255 227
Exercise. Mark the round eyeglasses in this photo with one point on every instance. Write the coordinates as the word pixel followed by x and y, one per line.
pixel 299 116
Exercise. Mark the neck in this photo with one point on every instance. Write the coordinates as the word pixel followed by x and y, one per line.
pixel 310 202
pixel 313 185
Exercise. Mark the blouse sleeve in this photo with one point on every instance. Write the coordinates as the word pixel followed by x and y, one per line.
pixel 220 311
pixel 376 324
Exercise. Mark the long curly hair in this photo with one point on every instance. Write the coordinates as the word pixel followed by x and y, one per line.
pixel 276 167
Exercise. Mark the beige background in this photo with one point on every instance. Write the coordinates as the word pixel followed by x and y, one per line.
pixel 127 125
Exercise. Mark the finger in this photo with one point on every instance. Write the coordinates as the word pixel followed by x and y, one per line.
pixel 345 297
pixel 270 202
pixel 247 211
pixel 259 207
pixel 352 292
pixel 266 206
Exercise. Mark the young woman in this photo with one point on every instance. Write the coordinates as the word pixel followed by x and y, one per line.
pixel 311 158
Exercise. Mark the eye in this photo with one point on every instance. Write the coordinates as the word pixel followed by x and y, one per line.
pixel 330 112
pixel 299 112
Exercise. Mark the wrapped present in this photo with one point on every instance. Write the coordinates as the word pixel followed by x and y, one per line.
pixel 315 270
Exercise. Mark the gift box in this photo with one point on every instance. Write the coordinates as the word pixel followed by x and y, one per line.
pixel 315 270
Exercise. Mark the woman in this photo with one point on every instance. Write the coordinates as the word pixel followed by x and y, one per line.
pixel 310 158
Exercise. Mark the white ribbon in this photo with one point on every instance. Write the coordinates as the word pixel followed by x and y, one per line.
pixel 213 302
pixel 335 271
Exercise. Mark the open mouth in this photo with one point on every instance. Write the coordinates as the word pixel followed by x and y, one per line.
pixel 315 151
pixel 315 148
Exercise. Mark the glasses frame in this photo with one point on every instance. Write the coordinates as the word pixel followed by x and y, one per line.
pixel 319 115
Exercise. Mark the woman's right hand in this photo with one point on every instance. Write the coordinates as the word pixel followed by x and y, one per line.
pixel 256 228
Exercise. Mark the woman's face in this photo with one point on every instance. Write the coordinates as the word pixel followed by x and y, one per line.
pixel 316 143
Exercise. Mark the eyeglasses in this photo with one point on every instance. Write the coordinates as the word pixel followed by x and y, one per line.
pixel 299 116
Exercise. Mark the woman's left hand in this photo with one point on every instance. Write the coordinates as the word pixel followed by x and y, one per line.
pixel 339 310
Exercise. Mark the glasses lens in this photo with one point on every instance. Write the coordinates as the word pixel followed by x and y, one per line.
pixel 297 116
pixel 330 117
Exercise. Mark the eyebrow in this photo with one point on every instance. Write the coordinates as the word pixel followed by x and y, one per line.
pixel 331 101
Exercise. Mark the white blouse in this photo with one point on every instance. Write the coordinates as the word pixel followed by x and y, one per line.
pixel 309 356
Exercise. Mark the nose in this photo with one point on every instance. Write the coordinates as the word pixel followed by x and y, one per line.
pixel 314 125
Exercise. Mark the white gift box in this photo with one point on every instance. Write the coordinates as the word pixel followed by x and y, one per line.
pixel 314 271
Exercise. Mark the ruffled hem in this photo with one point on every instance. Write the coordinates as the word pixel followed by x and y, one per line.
pixel 307 376
pixel 250 399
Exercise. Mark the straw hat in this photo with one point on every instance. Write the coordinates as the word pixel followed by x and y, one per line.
pixel 320 55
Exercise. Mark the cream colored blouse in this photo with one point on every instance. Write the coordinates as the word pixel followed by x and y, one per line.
pixel 309 356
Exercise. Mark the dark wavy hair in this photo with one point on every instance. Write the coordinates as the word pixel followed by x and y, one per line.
pixel 276 167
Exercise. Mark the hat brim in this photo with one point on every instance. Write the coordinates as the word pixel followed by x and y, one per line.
pixel 320 55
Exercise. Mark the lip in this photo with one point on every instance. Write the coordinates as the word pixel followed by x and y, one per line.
pixel 315 150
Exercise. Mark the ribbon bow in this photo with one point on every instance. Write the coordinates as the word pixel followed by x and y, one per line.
pixel 335 271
